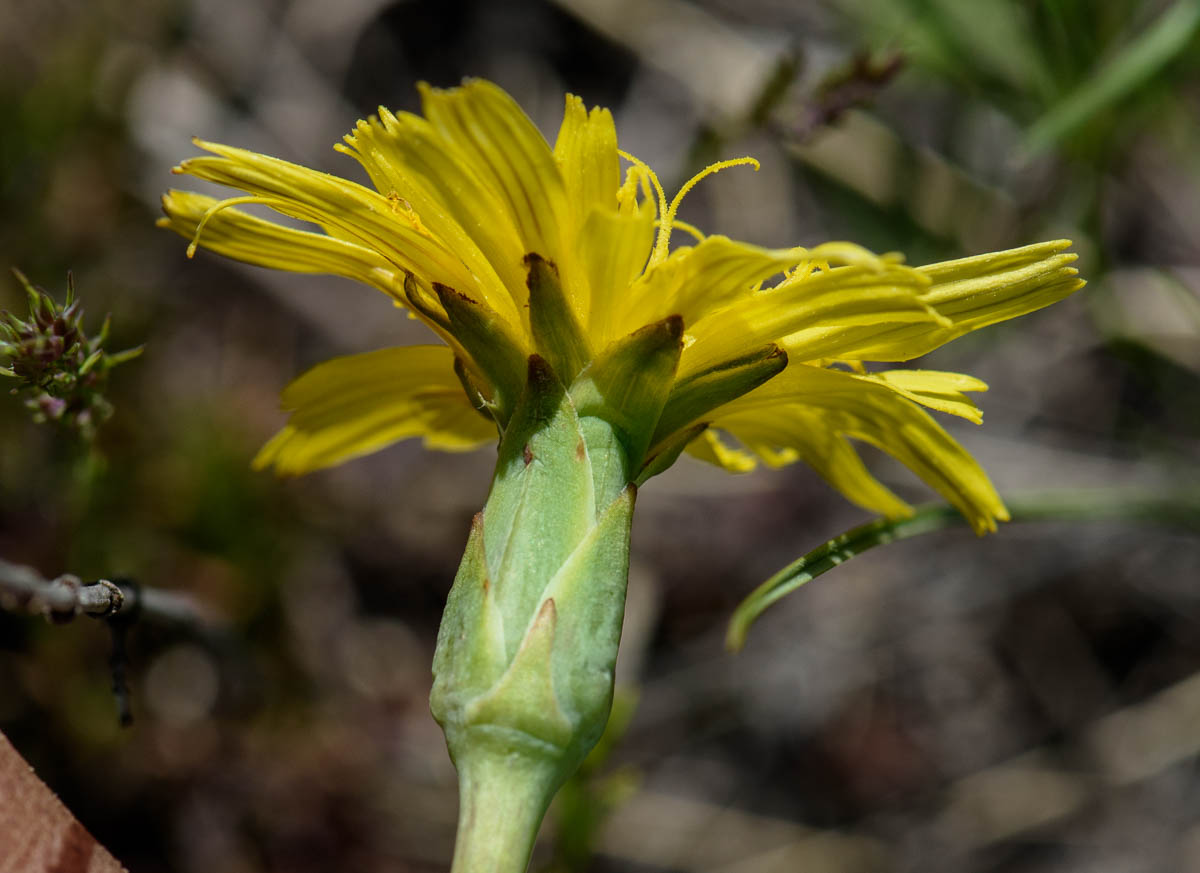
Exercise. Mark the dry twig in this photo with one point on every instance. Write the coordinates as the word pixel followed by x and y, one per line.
pixel 23 589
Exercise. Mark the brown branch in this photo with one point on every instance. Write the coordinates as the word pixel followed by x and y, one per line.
pixel 23 589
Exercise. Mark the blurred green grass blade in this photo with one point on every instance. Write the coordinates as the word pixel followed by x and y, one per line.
pixel 829 555
pixel 1182 509
pixel 1128 70
pixel 994 36
pixel 969 42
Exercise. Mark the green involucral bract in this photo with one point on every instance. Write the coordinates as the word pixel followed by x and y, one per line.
pixel 523 673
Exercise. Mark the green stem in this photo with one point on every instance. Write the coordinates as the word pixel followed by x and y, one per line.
pixel 502 799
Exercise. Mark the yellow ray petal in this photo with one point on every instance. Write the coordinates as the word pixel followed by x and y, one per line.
pixel 345 210
pixel 802 398
pixel 586 152
pixel 402 153
pixel 971 293
pixel 709 447
pixel 976 292
pixel 697 280
pixel 825 300
pixel 834 459
pixel 358 404
pixel 509 154
pixel 613 249
pixel 993 263
pixel 935 389
pixel 265 244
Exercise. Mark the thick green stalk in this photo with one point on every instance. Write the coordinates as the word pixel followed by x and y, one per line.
pixel 502 800
pixel 524 665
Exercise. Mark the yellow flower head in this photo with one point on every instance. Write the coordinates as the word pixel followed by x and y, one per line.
pixel 507 248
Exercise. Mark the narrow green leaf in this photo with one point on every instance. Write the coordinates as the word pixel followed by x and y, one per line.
pixel 30 291
pixel 45 309
pixel 121 357
pixel 91 361
pixel 1181 509
pixel 1128 70
pixel 102 337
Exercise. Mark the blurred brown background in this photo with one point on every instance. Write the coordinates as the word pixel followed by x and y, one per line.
pixel 1025 702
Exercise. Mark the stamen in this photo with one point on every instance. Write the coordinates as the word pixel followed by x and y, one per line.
pixel 668 219
pixel 645 168
pixel 213 210
pixel 647 191
pixel 689 229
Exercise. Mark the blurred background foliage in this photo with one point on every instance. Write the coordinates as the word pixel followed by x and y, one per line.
pixel 1026 702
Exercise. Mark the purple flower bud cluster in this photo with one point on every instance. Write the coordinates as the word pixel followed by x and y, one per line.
pixel 59 370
